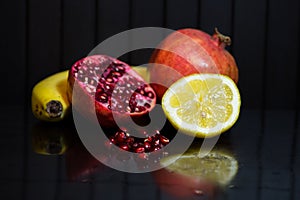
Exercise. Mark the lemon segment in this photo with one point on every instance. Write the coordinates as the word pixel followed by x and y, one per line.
pixel 203 105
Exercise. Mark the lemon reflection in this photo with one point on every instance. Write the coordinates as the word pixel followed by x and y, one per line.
pixel 188 175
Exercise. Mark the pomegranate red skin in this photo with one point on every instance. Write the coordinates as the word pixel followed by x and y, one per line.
pixel 190 51
pixel 86 105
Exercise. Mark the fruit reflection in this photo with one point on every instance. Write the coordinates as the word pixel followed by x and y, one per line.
pixel 80 164
pixel 189 175
pixel 49 139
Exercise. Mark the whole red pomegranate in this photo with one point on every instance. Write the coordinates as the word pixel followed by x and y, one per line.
pixel 110 88
pixel 189 51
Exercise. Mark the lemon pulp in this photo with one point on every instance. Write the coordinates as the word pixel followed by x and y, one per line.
pixel 202 104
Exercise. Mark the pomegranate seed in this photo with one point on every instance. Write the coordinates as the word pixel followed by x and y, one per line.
pixel 116 74
pixel 135 145
pixel 140 109
pixel 102 80
pixel 147 105
pixel 163 140
pixel 128 109
pixel 99 90
pixel 148 139
pixel 129 140
pixel 102 97
pixel 150 95
pixel 120 137
pixel 156 149
pixel 121 68
pixel 147 145
pixel 140 150
pixel 142 92
pixel 110 80
pixel 124 147
pixel 108 87
pixel 156 142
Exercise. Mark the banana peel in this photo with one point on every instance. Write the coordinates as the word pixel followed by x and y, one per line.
pixel 49 99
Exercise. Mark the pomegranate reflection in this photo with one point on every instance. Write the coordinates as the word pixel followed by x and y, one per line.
pixel 80 164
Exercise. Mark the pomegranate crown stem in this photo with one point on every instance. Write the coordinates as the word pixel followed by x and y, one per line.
pixel 221 40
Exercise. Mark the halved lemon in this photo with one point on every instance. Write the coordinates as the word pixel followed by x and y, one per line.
pixel 202 105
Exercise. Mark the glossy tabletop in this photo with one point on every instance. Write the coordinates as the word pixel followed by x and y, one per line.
pixel 48 161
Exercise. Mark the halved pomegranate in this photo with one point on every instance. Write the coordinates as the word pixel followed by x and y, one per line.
pixel 110 88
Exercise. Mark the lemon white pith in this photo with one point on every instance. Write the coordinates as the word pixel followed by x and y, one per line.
pixel 203 105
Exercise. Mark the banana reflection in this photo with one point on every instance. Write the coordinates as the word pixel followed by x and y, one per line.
pixel 49 138
pixel 188 175
pixel 61 139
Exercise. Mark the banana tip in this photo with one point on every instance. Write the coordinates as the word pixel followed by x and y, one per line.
pixel 54 109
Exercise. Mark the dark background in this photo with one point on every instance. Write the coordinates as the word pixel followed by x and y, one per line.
pixel 41 37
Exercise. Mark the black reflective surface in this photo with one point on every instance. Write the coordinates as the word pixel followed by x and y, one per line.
pixel 48 161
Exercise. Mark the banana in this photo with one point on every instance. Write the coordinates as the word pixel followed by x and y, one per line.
pixel 142 71
pixel 49 101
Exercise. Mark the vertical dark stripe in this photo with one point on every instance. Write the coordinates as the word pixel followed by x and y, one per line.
pixel 130 14
pixel 232 24
pixel 96 23
pixel 294 149
pixel 58 178
pixel 230 48
pixel 263 105
pixel 165 13
pixel 61 36
pixel 61 63
pixel 125 187
pixel 130 26
pixel 265 59
pixel 296 125
pixel 158 193
pixel 92 188
pixel 199 9
pixel 26 101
